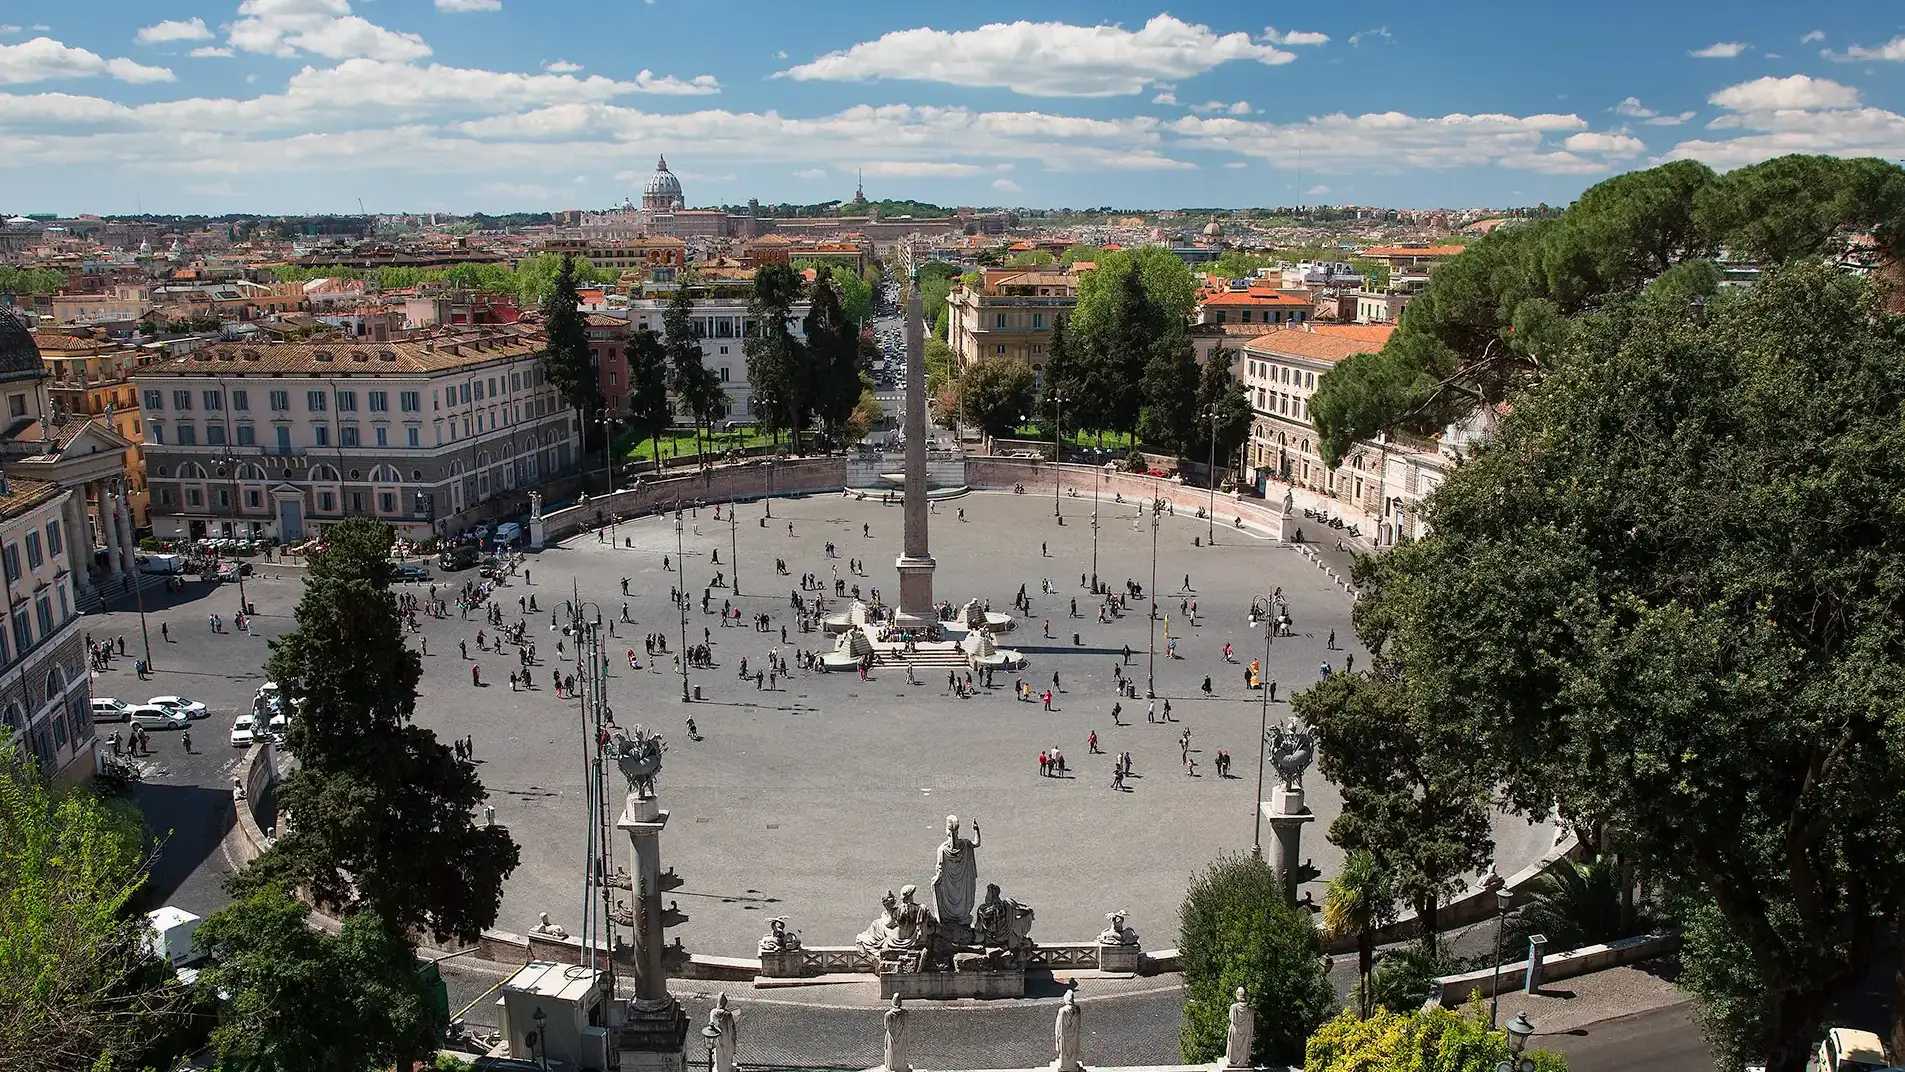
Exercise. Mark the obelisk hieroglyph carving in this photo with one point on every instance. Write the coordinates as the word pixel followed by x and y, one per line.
pixel 915 563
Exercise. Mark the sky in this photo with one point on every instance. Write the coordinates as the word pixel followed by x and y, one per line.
pixel 307 106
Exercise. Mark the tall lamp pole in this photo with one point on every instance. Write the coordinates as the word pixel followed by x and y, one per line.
pixel 1268 619
pixel 681 597
pixel 768 465
pixel 734 546
pixel 138 590
pixel 608 422
pixel 1151 656
pixel 229 467
pixel 1210 528
pixel 1503 895
pixel 1058 413
pixel 1097 474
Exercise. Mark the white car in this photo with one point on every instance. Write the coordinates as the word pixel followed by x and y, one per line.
pixel 107 709
pixel 244 731
pixel 187 707
pixel 278 724
pixel 155 718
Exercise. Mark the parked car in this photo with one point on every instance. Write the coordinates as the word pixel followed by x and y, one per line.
pixel 155 718
pixel 460 557
pixel 410 571
pixel 1847 1049
pixel 244 731
pixel 107 709
pixel 188 707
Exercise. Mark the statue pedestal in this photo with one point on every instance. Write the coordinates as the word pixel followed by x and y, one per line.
pixel 535 534
pixel 916 592
pixel 1286 813
pixel 947 985
pixel 1120 958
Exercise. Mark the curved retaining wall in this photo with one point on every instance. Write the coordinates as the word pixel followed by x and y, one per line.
pixel 721 483
pixel 260 777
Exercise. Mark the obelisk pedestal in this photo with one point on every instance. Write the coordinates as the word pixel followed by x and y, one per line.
pixel 915 563
pixel 1287 813
pixel 655 1026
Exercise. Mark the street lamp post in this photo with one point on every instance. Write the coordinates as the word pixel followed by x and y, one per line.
pixel 734 546
pixel 1520 1030
pixel 768 465
pixel 1210 528
pixel 1058 412
pixel 1151 656
pixel 229 467
pixel 1268 619
pixel 681 597
pixel 1097 474
pixel 138 590
pixel 608 421
pixel 1503 895
pixel 541 1045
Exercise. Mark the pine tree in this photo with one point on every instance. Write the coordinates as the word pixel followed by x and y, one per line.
pixel 775 359
pixel 567 360
pixel 697 388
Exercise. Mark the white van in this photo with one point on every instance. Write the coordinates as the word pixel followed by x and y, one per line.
pixel 161 563
pixel 508 533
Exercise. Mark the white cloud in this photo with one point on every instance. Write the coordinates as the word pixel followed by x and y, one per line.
pixel 1316 191
pixel 43 58
pixel 811 173
pixel 1236 108
pixel 1043 59
pixel 913 169
pixel 1893 51
pixel 561 67
pixel 1236 164
pixel 1816 35
pixel 1848 132
pixel 1794 91
pixel 8 30
pixel 647 81
pixel 159 33
pixel 1164 98
pixel 1005 186
pixel 212 189
pixel 469 5
pixel 1615 145
pixel 1356 39
pixel 1632 106
pixel 320 27
pixel 1721 50
pixel 515 191
pixel 1294 37
pixel 1670 120
pixel 210 52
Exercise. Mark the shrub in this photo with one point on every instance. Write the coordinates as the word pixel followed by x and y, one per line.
pixel 1427 1040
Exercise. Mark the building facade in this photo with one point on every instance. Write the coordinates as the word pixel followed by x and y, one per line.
pixel 280 440
pixel 1279 370
pixel 91 377
pixel 1010 313
pixel 45 686
pixel 722 324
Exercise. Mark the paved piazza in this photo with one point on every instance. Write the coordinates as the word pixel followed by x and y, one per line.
pixel 813 799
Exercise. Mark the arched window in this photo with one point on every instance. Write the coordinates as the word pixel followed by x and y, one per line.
pixel 191 471
pixel 13 717
pixel 252 471
pixel 53 682
pixel 386 474
pixel 324 474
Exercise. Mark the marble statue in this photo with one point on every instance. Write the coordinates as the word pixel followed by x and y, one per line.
pixel 913 924
pixel 1243 1026
pixel 723 1019
pixel 779 939
pixel 1117 933
pixel 956 877
pixel 1289 502
pixel 535 504
pixel 1291 750
pixel 903 933
pixel 878 932
pixel 543 926
pixel 1065 1035
pixel 1002 923
pixel 895 1060
pixel 639 757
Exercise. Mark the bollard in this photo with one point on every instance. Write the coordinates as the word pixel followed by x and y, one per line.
pixel 697 692
pixel 1075 641
pixel 1537 947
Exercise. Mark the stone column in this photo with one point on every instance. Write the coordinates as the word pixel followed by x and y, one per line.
pixel 79 542
pixel 915 563
pixel 654 1031
pixel 1287 813
pixel 128 543
pixel 107 537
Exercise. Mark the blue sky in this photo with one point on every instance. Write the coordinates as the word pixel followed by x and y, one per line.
pixel 459 105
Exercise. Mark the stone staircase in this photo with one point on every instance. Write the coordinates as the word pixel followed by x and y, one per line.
pixel 122 598
pixel 928 657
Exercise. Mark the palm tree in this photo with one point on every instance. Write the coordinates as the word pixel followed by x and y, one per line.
pixel 1360 900
pixel 1574 904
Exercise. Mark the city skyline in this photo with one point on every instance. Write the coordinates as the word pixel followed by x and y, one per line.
pixel 502 105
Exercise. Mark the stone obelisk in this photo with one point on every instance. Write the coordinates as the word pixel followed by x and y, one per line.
pixel 915 562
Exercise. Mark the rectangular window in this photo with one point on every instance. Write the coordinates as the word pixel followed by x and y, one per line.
pixel 252 499
pixel 284 437
pixel 22 630
pixel 1309 380
pixel 347 436
pixel 241 399
pixel 347 401
pixel 214 400
pixel 321 435
pixel 154 400
pixel 43 607
pixel 414 435
pixel 379 401
pixel 1038 320
pixel 280 401
pixel 463 390
pixel 314 401
pixel 492 387
pixel 247 435
pixel 612 379
pixel 55 541
pixel 515 381
pixel 387 502
pixel 16 405
pixel 188 435
pixel 357 502
pixel 224 498
pixel 999 321
pixel 383 436
pixel 194 497
pixel 33 556
pixel 158 433
pixel 214 435
pixel 999 350
pixel 724 374
pixel 181 400
pixel 411 401
pixel 327 502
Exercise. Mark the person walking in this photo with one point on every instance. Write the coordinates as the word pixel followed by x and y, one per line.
pixel 476 676
pixel 1206 684
pixel 1091 744
pixel 1048 699
pixel 1116 710
pixel 1151 711
pixel 185 739
pixel 1044 765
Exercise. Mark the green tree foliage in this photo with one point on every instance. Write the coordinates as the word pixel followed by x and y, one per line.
pixel 940 370
pixel 528 282
pixel 1235 929
pixel 650 411
pixel 1375 273
pixel 305 1001
pixel 1664 603
pixel 1168 419
pixel 831 356
pixel 567 359
pixel 380 811
pixel 1423 1040
pixel 77 989
pixel 1400 978
pixel 1223 406
pixel 1236 264
pixel 936 280
pixel 1574 904
pixel 1129 347
pixel 1359 901
pixel 1076 253
pixel 38 282
pixel 1032 258
pixel 1466 340
pixel 697 387
pixel 775 359
pixel 995 392
pixel 856 297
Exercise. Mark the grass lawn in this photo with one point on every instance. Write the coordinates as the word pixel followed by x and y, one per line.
pixel 677 444
pixel 1118 440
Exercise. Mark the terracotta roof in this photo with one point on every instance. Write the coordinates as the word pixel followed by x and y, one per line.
pixel 1412 251
pixel 1253 299
pixel 409 357
pixel 1374 334
pixel 23 494
pixel 1310 345
pixel 1084 266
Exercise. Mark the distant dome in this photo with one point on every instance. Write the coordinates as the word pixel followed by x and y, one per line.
pixel 19 356
pixel 21 221
pixel 663 192
pixel 1213 230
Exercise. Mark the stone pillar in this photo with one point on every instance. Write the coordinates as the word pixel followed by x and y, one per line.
pixel 128 543
pixel 655 1028
pixel 107 537
pixel 1286 814
pixel 79 542
pixel 915 563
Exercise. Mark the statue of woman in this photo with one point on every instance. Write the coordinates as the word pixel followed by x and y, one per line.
pixel 1243 1025
pixel 896 1039
pixel 724 1021
pixel 1065 1035
pixel 956 878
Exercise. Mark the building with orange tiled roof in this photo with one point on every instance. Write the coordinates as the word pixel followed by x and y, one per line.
pixel 1279 370
pixel 1010 313
pixel 1251 303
